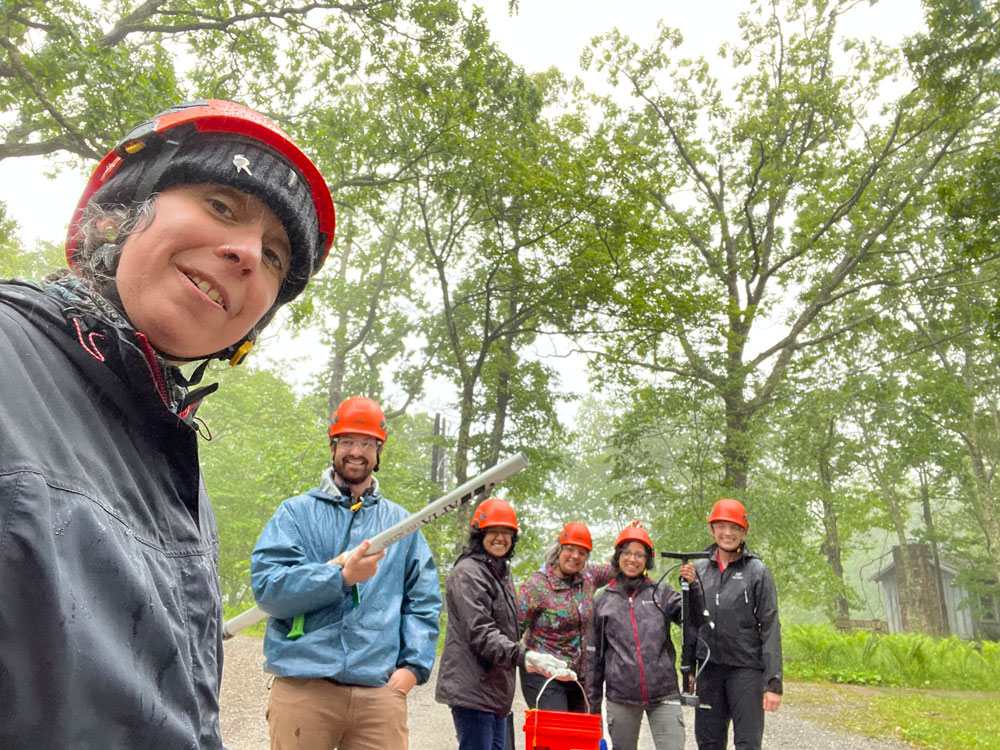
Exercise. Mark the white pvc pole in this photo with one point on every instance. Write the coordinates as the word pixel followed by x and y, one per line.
pixel 478 485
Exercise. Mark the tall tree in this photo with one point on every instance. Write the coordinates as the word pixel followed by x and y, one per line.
pixel 487 204
pixel 77 74
pixel 813 464
pixel 748 223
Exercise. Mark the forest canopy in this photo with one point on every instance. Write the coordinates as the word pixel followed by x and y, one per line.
pixel 778 266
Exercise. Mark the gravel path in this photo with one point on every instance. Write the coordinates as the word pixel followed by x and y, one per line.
pixel 244 698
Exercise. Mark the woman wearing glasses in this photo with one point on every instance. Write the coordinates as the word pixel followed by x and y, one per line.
pixel 631 656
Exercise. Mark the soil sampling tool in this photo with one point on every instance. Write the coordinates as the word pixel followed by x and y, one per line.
pixel 688 635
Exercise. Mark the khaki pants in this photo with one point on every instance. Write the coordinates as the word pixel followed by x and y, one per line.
pixel 314 714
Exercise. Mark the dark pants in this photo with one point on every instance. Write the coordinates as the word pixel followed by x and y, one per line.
pixel 736 694
pixel 479 730
pixel 558 696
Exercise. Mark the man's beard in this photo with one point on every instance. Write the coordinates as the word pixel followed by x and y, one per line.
pixel 351 472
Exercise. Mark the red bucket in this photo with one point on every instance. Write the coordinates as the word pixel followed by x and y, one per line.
pixel 561 730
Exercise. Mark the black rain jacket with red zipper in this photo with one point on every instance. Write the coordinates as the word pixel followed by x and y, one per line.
pixel 631 652
pixel 743 605
pixel 110 609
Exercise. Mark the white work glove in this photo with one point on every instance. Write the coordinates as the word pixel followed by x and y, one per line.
pixel 565 675
pixel 546 664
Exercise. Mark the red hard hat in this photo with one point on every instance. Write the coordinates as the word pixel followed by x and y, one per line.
pixel 576 533
pixel 634 532
pixel 359 415
pixel 191 143
pixel 729 510
pixel 494 512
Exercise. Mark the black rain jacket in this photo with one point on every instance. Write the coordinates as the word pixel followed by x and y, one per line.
pixel 743 604
pixel 110 607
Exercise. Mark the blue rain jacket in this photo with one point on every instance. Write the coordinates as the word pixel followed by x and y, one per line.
pixel 394 625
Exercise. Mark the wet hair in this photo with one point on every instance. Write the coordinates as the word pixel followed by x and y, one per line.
pixel 99 240
pixel 616 567
pixel 475 543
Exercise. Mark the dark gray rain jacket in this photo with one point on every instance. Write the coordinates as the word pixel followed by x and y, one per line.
pixel 109 597
pixel 481 649
pixel 631 657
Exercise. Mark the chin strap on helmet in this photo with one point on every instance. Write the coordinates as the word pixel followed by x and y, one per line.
pixel 241 352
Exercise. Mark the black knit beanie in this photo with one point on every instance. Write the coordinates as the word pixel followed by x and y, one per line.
pixel 233 160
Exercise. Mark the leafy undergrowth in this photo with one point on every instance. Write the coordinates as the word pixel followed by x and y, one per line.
pixel 818 652
pixel 931 719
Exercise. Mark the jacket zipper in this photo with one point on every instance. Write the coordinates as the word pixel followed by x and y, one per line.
pixel 638 650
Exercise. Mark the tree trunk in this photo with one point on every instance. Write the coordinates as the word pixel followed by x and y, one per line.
pixel 831 548
pixel 832 551
pixel 943 629
pixel 735 449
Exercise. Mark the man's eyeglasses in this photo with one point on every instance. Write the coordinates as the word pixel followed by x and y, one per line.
pixel 349 444
pixel 633 555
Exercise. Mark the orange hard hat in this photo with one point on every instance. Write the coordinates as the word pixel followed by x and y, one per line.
pixel 494 512
pixel 729 510
pixel 576 533
pixel 634 532
pixel 359 415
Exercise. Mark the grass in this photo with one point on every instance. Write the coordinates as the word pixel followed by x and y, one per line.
pixel 934 693
pixel 929 719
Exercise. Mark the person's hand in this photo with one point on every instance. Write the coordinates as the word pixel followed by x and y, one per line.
pixel 565 675
pixel 687 572
pixel 771 700
pixel 360 568
pixel 546 664
pixel 402 680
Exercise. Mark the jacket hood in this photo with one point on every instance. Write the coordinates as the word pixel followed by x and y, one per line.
pixel 330 491
pixel 618 587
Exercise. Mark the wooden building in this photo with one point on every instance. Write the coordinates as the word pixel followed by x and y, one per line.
pixel 939 595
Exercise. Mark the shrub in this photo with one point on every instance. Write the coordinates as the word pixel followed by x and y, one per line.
pixel 818 652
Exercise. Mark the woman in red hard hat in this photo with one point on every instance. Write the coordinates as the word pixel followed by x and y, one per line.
pixel 631 657
pixel 557 602
pixel 481 648
pixel 190 234
pixel 740 677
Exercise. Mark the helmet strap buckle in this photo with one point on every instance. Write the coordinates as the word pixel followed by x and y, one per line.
pixel 241 352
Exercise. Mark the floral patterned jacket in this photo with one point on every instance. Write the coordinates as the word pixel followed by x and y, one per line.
pixel 556 612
